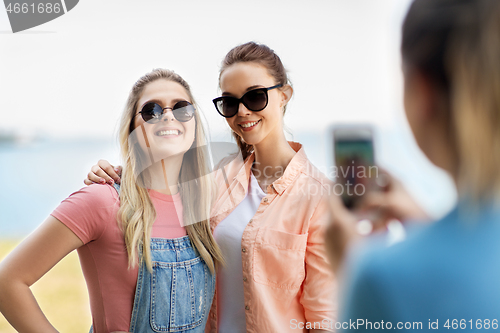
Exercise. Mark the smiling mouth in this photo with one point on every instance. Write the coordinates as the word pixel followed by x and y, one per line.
pixel 247 125
pixel 167 132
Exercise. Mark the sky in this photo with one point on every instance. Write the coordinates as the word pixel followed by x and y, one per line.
pixel 69 78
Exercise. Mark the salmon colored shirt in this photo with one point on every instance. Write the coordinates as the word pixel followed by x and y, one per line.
pixel 287 279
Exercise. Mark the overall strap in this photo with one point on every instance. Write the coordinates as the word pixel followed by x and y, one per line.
pixel 117 187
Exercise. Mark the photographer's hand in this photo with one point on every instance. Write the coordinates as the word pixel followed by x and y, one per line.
pixel 392 202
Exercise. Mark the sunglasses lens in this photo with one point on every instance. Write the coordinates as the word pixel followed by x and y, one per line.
pixel 227 106
pixel 151 111
pixel 255 100
pixel 183 111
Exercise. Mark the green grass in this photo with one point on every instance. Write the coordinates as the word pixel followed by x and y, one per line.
pixel 61 294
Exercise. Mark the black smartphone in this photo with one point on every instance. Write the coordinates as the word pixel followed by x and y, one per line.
pixel 355 168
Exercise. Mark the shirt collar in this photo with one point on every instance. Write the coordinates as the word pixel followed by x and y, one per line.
pixel 292 171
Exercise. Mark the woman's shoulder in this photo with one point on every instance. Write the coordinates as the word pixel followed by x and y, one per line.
pixel 309 171
pixel 95 197
pixel 314 180
pixel 316 174
pixel 88 211
pixel 100 195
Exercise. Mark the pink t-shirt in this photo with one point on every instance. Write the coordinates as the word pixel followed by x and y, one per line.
pixel 91 213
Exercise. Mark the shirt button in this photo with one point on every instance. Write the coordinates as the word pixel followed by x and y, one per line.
pixel 243 250
pixel 247 307
pixel 245 279
pixel 265 199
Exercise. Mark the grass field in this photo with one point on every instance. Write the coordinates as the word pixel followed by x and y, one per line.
pixel 61 294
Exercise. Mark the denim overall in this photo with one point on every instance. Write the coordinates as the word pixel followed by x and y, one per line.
pixel 177 295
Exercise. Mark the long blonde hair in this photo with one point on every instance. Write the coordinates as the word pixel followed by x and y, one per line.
pixel 137 213
pixel 457 44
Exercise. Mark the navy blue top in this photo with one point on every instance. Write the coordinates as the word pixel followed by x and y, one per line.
pixel 447 270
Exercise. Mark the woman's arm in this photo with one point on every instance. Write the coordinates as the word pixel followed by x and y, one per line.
pixel 103 173
pixel 27 263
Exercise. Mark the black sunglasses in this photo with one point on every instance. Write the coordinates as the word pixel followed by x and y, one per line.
pixel 253 100
pixel 152 112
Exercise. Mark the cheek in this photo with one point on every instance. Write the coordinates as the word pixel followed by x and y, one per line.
pixel 135 124
pixel 138 146
pixel 273 115
pixel 406 105
pixel 136 127
pixel 410 109
pixel 191 132
pixel 231 123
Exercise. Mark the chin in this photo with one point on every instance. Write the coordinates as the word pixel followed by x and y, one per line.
pixel 255 138
pixel 250 140
pixel 160 154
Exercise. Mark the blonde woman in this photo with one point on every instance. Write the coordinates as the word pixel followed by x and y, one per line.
pixel 146 250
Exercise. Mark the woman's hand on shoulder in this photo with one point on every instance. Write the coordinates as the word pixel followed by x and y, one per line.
pixel 103 172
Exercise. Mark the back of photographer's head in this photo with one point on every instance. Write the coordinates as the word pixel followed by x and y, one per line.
pixel 451 53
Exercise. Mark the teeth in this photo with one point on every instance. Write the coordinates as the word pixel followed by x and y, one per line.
pixel 249 124
pixel 168 132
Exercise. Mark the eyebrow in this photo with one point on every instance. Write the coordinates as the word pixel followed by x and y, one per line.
pixel 225 93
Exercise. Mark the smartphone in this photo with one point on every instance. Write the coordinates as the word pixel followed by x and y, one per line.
pixel 354 163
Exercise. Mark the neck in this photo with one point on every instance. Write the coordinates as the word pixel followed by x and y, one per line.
pixel 165 175
pixel 272 156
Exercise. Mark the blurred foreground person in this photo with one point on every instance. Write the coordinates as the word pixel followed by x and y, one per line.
pixel 446 275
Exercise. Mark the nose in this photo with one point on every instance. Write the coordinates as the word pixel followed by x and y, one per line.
pixel 242 110
pixel 168 114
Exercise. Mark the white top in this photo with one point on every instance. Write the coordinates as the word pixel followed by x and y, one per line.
pixel 227 234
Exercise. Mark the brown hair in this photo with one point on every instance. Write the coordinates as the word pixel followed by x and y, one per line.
pixel 457 44
pixel 262 55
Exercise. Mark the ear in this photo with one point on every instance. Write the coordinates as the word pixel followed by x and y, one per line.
pixel 286 94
